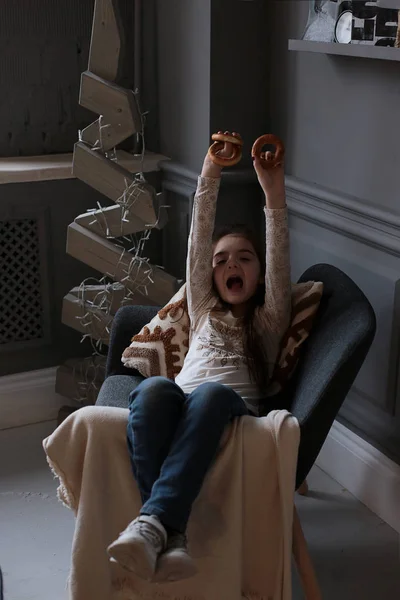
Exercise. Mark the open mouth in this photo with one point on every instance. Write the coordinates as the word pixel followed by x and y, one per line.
pixel 235 283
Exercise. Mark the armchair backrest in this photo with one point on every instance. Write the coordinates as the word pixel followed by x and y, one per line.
pixel 332 356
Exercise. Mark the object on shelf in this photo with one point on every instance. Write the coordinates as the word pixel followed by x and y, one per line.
pixel 397 43
pixel 394 4
pixel 389 4
pixel 321 23
pixel 344 22
pixel 374 25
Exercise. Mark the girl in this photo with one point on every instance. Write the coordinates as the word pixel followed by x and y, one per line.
pixel 239 303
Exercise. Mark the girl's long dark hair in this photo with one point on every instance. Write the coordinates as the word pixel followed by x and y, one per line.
pixel 254 349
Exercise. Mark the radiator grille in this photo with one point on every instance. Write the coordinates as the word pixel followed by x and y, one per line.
pixel 21 306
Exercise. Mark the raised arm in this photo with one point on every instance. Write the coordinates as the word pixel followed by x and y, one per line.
pixel 199 258
pixel 277 306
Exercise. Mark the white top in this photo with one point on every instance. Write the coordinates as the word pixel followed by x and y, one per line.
pixel 216 355
pixel 216 346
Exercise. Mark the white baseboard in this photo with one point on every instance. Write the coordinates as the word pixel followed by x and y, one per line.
pixel 368 474
pixel 29 397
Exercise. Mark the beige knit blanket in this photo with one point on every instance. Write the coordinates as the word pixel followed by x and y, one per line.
pixel 240 531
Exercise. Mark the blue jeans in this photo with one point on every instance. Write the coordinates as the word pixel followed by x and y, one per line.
pixel 173 439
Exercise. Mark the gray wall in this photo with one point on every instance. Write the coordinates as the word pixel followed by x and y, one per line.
pixel 39 106
pixel 44 48
pixel 184 49
pixel 339 117
pixel 209 79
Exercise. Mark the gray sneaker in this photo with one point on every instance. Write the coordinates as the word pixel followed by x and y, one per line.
pixel 139 546
pixel 175 563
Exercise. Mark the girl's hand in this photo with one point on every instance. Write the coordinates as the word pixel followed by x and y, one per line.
pixel 272 182
pixel 210 169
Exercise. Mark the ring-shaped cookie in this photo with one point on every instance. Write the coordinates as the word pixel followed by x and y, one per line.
pixel 276 159
pixel 220 139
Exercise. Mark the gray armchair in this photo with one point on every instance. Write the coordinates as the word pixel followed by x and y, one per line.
pixel 330 361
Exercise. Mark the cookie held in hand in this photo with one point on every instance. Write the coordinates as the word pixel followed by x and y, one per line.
pixel 269 160
pixel 220 140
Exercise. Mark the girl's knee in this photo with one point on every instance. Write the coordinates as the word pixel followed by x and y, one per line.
pixel 152 393
pixel 213 397
pixel 211 388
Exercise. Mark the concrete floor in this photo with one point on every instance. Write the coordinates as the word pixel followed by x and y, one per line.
pixel 356 555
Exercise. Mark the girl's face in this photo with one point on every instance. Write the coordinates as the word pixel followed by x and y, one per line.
pixel 236 269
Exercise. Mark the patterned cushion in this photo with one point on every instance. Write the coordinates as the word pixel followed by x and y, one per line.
pixel 161 346
pixel 306 298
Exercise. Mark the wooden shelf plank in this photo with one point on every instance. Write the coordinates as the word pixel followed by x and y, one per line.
pixel 108 222
pixel 105 44
pixel 109 259
pixel 110 136
pixel 25 169
pixel 117 105
pixel 111 180
pixel 355 50
pixel 73 310
pixel 35 168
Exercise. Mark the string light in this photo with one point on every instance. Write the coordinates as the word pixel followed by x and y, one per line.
pixel 97 308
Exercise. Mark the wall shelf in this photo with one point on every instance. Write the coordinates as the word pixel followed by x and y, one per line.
pixel 23 169
pixel 356 50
